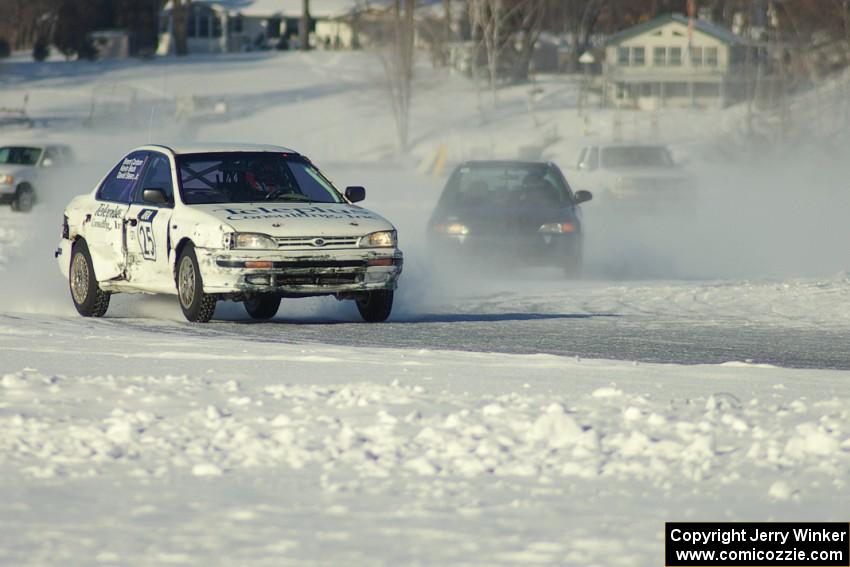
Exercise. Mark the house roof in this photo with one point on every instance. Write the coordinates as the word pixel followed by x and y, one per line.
pixel 260 8
pixel 318 8
pixel 716 31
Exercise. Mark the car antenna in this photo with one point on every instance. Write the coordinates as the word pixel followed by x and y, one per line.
pixel 150 124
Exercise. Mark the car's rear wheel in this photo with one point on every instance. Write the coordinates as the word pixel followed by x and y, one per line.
pixel 88 298
pixel 375 306
pixel 197 306
pixel 24 199
pixel 262 306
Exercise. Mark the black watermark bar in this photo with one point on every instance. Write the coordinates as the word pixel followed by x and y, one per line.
pixel 757 544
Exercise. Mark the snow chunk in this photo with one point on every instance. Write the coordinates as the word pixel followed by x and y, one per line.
pixel 606 393
pixel 206 469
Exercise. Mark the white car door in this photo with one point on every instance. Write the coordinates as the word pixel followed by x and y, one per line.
pixel 104 227
pixel 147 229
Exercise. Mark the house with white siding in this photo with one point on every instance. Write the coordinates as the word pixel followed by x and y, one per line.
pixel 661 63
pixel 221 26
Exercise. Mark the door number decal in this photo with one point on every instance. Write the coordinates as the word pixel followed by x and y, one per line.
pixel 147 244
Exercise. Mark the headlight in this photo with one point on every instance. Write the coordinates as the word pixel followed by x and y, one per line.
pixel 7 180
pixel 251 241
pixel 557 227
pixel 454 228
pixel 382 239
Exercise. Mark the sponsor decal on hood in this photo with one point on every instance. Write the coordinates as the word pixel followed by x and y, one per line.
pixel 237 213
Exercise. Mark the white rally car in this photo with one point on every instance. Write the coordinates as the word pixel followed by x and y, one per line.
pixel 240 222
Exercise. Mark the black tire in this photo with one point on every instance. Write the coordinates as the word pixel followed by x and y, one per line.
pixel 375 306
pixel 24 199
pixel 197 306
pixel 263 306
pixel 87 296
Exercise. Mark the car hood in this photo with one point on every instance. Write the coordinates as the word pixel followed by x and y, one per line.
pixel 297 219
pixel 648 172
pixel 15 170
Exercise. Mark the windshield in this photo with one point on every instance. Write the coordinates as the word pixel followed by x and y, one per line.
pixel 636 156
pixel 249 177
pixel 511 184
pixel 19 155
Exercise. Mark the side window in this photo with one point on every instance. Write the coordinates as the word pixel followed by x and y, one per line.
pixel 593 159
pixel 51 158
pixel 556 180
pixel 122 180
pixel 67 155
pixel 156 176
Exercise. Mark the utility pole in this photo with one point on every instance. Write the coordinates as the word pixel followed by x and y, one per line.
pixel 304 26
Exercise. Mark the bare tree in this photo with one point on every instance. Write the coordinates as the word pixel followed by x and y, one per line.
pixel 399 68
pixel 180 24
pixel 581 18
pixel 530 26
pixel 304 26
pixel 491 18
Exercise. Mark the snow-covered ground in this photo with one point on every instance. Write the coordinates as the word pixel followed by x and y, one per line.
pixel 313 439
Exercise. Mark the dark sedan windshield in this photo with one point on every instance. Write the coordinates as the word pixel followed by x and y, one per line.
pixel 506 184
pixel 15 155
pixel 247 177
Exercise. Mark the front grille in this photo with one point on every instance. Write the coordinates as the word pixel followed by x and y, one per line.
pixel 317 279
pixel 287 242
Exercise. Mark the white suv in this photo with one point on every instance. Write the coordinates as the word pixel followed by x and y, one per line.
pixel 23 168
pixel 634 177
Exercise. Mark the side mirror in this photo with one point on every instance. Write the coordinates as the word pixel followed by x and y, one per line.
pixel 583 197
pixel 355 194
pixel 155 196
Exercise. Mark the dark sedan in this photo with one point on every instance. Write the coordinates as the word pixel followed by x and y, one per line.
pixel 508 212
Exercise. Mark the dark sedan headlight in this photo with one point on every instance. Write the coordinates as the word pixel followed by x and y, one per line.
pixel 452 229
pixel 557 228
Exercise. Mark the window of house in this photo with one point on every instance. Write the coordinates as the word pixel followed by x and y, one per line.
pixel 659 56
pixel 675 56
pixel 216 21
pixel 646 89
pixel 623 56
pixel 204 25
pixel 711 56
pixel 192 24
pixel 621 90
pixel 696 56
pixel 676 89
pixel 638 56
pixel 707 90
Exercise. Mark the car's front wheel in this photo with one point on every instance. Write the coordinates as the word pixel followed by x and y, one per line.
pixel 262 306
pixel 24 199
pixel 88 298
pixel 198 307
pixel 375 306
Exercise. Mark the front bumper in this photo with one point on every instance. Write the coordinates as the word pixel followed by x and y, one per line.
pixel 526 249
pixel 331 272
pixel 7 194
